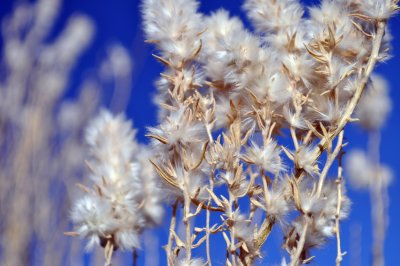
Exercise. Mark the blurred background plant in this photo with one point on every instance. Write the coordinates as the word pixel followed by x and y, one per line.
pixel 42 125
pixel 48 96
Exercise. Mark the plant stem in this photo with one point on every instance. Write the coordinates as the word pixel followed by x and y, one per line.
pixel 134 257
pixel 381 25
pixel 323 144
pixel 339 180
pixel 208 221
pixel 300 246
pixel 378 202
pixel 172 226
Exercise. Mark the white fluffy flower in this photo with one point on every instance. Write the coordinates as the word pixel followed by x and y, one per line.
pixel 294 119
pixel 320 211
pixel 375 105
pixel 267 157
pixel 192 262
pixel 306 160
pixel 111 146
pixel 179 129
pixel 174 25
pixel 242 228
pixel 233 56
pixel 280 88
pixel 378 9
pixel 326 203
pixel 218 39
pixel 276 202
pixel 272 15
pixel 327 111
pixel 362 173
pixel 93 218
pixel 301 68
pixel 114 209
pixel 331 12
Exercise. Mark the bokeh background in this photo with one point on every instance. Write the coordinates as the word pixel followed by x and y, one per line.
pixel 119 21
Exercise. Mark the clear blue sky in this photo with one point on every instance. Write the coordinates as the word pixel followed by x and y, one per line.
pixel 120 21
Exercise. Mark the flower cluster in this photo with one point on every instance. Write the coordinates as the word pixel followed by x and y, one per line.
pixel 250 127
pixel 40 129
pixel 125 198
pixel 227 94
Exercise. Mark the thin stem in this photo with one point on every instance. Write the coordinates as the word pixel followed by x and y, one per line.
pixel 339 180
pixel 188 244
pixel 208 221
pixel 378 203
pixel 263 233
pixel 108 252
pixel 265 229
pixel 232 232
pixel 134 257
pixel 329 162
pixel 186 220
pixel 172 226
pixel 323 144
pixel 381 25
pixel 294 138
pixel 300 246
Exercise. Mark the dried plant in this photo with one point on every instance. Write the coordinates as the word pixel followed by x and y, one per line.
pixel 229 100
pixel 38 136
pixel 41 129
pixel 365 170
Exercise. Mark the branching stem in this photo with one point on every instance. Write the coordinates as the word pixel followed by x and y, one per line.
pixel 324 142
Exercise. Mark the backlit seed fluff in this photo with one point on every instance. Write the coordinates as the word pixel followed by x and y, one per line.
pixel 267 157
pixel 114 210
pixel 375 105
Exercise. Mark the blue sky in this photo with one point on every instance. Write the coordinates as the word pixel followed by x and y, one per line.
pixel 120 21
